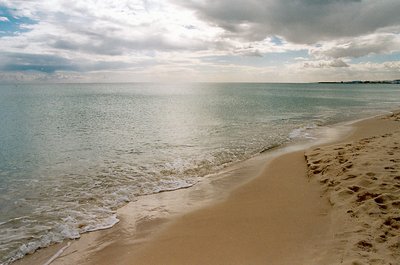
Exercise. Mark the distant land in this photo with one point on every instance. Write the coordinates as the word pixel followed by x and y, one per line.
pixel 397 81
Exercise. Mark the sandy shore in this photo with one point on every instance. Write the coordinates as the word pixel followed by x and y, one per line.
pixel 361 180
pixel 332 204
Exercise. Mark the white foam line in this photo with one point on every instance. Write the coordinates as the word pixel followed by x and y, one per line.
pixel 102 227
pixel 57 254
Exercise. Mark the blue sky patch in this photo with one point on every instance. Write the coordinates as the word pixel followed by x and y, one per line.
pixel 11 25
pixel 277 41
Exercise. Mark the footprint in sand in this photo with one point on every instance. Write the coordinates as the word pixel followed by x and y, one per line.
pixel 366 196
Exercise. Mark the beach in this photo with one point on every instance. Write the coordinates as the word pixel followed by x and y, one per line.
pixel 199 132
pixel 336 203
pixel 76 153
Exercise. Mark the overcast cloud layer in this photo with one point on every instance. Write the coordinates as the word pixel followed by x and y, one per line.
pixel 204 40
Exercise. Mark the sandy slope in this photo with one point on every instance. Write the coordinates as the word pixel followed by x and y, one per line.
pixel 361 179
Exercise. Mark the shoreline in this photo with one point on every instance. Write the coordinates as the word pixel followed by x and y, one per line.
pixel 150 228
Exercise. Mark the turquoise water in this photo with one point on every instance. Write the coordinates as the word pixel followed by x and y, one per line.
pixel 70 154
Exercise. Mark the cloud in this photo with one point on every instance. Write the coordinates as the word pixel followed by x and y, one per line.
pixel 394 66
pixel 381 43
pixel 325 64
pixel 298 21
pixel 34 62
pixel 48 63
pixel 196 38
pixel 113 28
pixel 338 63
pixel 91 35
pixel 113 45
pixel 253 53
pixel 4 19
pixel 100 28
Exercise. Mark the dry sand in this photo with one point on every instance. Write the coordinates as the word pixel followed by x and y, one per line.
pixel 361 179
pixel 335 204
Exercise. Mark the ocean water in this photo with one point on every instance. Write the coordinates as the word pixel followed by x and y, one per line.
pixel 71 154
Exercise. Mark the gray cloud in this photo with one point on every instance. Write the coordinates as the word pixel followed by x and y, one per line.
pixel 326 64
pixel 34 62
pixel 338 63
pixel 105 45
pixel 45 63
pixel 299 21
pixel 251 53
pixel 394 66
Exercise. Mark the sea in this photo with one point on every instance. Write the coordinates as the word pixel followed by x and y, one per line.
pixel 71 154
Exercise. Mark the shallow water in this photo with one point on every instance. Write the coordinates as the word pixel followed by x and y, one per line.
pixel 70 154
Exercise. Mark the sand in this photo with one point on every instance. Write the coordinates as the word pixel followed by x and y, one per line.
pixel 361 180
pixel 337 203
pixel 245 229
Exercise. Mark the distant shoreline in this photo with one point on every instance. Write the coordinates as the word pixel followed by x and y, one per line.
pixel 396 81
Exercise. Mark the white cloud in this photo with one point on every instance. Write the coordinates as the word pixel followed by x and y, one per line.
pixel 114 27
pixel 4 19
pixel 87 32
pixel 379 43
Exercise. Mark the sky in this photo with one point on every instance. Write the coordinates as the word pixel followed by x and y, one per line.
pixel 199 40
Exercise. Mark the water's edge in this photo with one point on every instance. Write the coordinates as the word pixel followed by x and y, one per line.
pixel 71 155
pixel 168 204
